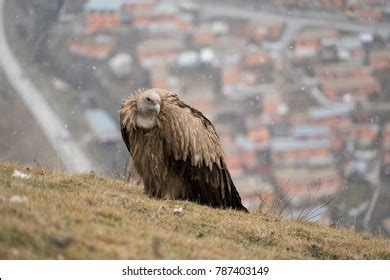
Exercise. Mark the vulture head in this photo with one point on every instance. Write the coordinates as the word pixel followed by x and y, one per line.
pixel 148 105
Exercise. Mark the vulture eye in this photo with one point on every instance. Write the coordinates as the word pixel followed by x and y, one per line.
pixel 148 99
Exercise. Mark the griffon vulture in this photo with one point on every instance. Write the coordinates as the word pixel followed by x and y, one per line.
pixel 176 150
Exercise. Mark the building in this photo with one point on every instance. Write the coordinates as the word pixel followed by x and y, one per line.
pixel 234 163
pixel 207 33
pixel 359 88
pixel 237 82
pixel 229 49
pixel 102 15
pixel 273 106
pixel 303 185
pixel 362 10
pixel 338 4
pixel 240 156
pixel 246 73
pixel 128 6
pixel 319 4
pixel 350 48
pixel 308 43
pixel 380 59
pixel 336 71
pixel 311 132
pixel 297 152
pixel 161 18
pixel 365 134
pixel 159 51
pixel 264 30
pixel 335 117
pixel 255 57
pixel 95 47
pixel 258 133
pixel 201 97
pixel 160 77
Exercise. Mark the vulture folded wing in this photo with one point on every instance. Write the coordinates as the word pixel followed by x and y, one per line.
pixel 194 150
pixel 125 137
pixel 127 121
pixel 189 134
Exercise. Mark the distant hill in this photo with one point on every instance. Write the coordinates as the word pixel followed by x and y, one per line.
pixel 59 215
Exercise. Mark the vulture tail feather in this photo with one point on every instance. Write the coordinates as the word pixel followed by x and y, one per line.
pixel 234 198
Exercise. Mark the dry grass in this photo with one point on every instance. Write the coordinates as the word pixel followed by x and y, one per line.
pixel 88 217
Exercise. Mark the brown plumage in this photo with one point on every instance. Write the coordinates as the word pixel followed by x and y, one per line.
pixel 176 150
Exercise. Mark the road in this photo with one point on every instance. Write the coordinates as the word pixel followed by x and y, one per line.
pixel 53 127
pixel 374 179
pixel 294 24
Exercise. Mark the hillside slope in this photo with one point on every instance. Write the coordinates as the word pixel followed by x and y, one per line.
pixel 57 215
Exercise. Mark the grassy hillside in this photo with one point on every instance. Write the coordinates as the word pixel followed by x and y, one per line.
pixel 56 215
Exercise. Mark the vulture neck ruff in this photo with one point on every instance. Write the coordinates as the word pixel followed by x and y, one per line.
pixel 145 122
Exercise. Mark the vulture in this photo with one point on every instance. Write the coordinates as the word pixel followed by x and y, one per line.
pixel 176 150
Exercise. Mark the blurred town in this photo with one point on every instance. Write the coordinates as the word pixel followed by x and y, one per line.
pixel 299 91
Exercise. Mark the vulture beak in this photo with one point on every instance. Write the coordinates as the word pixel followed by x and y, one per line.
pixel 157 108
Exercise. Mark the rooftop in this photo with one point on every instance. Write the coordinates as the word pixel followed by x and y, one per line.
pixel 318 113
pixel 350 83
pixel 349 43
pixel 159 45
pixel 340 68
pixel 162 8
pixel 380 53
pixel 265 23
pixel 103 5
pixel 110 5
pixel 310 130
pixel 317 33
pixel 291 144
pixel 306 174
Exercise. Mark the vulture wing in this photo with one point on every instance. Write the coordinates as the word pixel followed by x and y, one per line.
pixel 194 150
pixel 127 116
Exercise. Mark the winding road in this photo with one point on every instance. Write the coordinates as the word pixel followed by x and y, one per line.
pixel 53 127
pixel 294 23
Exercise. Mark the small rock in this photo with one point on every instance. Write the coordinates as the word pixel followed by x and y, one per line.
pixel 21 175
pixel 178 210
pixel 18 199
pixel 62 242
